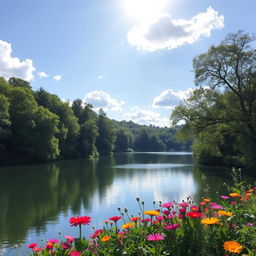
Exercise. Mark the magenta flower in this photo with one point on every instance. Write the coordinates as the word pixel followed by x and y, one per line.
pixel 53 241
pixel 145 220
pixel 233 202
pixel 75 253
pixel 167 205
pixel 172 226
pixel 249 224
pixel 155 237
pixel 166 212
pixel 216 207
pixel 66 245
pixel 159 218
pixel 224 197
pixel 184 204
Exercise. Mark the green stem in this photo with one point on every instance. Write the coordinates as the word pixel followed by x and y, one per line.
pixel 80 231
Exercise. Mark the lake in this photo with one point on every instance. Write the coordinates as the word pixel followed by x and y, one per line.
pixel 37 201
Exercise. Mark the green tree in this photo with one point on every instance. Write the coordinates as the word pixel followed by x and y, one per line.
pixel 83 111
pixel 106 139
pixel 223 109
pixel 124 140
pixel 5 123
pixel 87 139
pixel 68 123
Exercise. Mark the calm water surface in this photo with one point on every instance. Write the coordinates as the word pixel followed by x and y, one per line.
pixel 37 201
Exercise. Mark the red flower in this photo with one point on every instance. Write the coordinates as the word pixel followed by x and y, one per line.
pixel 31 246
pixel 194 214
pixel 49 246
pixel 80 220
pixel 115 218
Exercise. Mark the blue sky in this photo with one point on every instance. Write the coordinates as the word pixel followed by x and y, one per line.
pixel 133 58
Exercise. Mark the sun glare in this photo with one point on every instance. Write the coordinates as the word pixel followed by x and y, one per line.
pixel 144 9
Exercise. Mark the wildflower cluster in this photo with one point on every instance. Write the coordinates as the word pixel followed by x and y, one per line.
pixel 188 228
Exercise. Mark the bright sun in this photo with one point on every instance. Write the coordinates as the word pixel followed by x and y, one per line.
pixel 144 9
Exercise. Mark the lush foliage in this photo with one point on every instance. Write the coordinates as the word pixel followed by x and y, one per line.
pixel 220 115
pixel 192 227
pixel 39 126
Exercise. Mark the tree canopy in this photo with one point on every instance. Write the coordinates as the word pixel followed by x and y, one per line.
pixel 220 114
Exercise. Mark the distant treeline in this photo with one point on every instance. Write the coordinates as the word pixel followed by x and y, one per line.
pixel 38 126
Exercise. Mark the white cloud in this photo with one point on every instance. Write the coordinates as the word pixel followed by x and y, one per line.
pixel 170 98
pixel 146 117
pixel 166 32
pixel 57 77
pixel 42 74
pixel 100 99
pixel 12 66
pixel 100 77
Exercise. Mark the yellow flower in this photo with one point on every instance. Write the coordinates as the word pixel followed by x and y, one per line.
pixel 128 225
pixel 210 221
pixel 234 195
pixel 105 238
pixel 152 213
pixel 232 246
pixel 224 213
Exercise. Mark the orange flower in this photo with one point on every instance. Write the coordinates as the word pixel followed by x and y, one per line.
pixel 224 213
pixel 207 200
pixel 135 219
pixel 232 246
pixel 248 194
pixel 210 221
pixel 105 238
pixel 250 190
pixel 128 225
pixel 152 213
pixel 234 195
pixel 106 221
pixel 202 203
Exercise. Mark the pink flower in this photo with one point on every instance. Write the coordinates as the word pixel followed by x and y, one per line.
pixel 115 218
pixel 224 197
pixel 37 249
pixel 184 204
pixel 233 202
pixel 66 245
pixel 167 205
pixel 166 212
pixel 96 233
pixel 160 218
pixel 216 207
pixel 70 238
pixel 74 253
pixel 249 224
pixel 53 241
pixel 172 226
pixel 155 237
pixel 211 204
pixel 182 210
pixel 31 246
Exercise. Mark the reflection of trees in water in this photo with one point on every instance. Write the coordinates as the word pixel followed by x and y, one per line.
pixel 32 195
pixel 151 158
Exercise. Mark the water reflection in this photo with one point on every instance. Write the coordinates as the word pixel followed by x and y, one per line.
pixel 35 198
